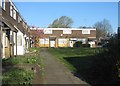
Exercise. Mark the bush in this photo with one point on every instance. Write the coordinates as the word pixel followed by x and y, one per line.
pixel 85 45
pixel 113 50
pixel 77 44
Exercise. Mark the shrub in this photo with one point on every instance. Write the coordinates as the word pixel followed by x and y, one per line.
pixel 77 44
pixel 113 50
pixel 85 45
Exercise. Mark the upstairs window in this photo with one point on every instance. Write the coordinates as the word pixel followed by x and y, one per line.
pixel 85 31
pixel 26 27
pixel 19 19
pixel 24 24
pixel 0 3
pixel 14 14
pixel 3 4
pixel 11 10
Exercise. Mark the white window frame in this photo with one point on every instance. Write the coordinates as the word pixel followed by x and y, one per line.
pixel 14 14
pixel 42 41
pixel 5 40
pixel 11 37
pixel 85 31
pixel 3 4
pixel 67 31
pixel 23 24
pixel 0 3
pixel 18 19
pixel 19 40
pixel 47 31
pixel 11 10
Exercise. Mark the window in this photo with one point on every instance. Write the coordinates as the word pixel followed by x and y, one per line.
pixel 3 4
pixel 26 27
pixel 66 31
pixel 0 3
pixel 24 24
pixel 46 40
pixel 11 10
pixel 14 14
pixel 5 39
pixel 62 41
pixel 47 31
pixel 86 31
pixel 11 37
pixel 19 19
pixel 41 41
pixel 19 40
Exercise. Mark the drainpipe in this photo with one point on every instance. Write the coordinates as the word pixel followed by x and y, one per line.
pixel 0 53
pixel 16 42
pixel 12 43
pixel 0 41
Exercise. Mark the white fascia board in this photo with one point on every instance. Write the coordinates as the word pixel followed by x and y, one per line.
pixel 63 28
pixel 13 5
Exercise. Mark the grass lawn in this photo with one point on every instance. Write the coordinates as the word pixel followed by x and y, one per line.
pixel 92 65
pixel 19 70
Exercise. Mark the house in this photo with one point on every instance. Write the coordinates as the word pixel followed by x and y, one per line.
pixel 35 35
pixel 14 30
pixel 65 37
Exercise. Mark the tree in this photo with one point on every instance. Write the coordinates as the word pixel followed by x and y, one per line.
pixel 62 22
pixel 103 28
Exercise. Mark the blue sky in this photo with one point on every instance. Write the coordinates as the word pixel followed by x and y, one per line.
pixel 41 14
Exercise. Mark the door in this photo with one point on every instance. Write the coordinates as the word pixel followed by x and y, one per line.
pixel 71 43
pixel 52 43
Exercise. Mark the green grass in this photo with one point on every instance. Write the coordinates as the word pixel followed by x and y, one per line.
pixel 94 65
pixel 63 53
pixel 15 73
pixel 17 76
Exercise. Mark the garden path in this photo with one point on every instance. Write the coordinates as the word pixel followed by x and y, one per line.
pixel 56 72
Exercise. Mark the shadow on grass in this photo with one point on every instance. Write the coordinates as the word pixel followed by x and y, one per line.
pixel 98 69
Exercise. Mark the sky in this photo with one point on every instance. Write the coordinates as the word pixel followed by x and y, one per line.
pixel 119 14
pixel 41 14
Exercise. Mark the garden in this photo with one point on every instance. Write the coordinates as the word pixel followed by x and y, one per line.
pixel 21 70
pixel 93 65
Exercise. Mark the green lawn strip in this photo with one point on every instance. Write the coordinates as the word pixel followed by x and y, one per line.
pixel 18 76
pixel 39 61
pixel 21 75
pixel 94 65
pixel 63 53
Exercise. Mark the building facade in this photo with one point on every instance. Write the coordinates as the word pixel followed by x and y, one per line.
pixel 65 37
pixel 14 30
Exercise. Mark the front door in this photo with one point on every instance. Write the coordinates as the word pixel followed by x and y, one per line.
pixel 71 43
pixel 52 43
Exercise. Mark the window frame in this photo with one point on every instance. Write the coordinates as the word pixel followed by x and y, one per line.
pixel 14 14
pixel 3 4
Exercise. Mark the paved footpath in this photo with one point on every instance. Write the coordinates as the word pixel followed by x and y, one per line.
pixel 56 72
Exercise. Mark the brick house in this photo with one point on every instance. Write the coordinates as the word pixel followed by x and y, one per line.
pixel 65 37
pixel 14 31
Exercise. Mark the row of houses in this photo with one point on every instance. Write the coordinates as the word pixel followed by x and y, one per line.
pixel 14 31
pixel 64 37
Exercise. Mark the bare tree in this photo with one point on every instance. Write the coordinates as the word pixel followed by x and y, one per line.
pixel 62 22
pixel 103 28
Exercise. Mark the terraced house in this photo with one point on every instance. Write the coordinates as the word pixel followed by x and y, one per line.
pixel 14 31
pixel 65 37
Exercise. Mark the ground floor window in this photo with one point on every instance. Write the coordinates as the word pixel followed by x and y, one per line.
pixel 19 40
